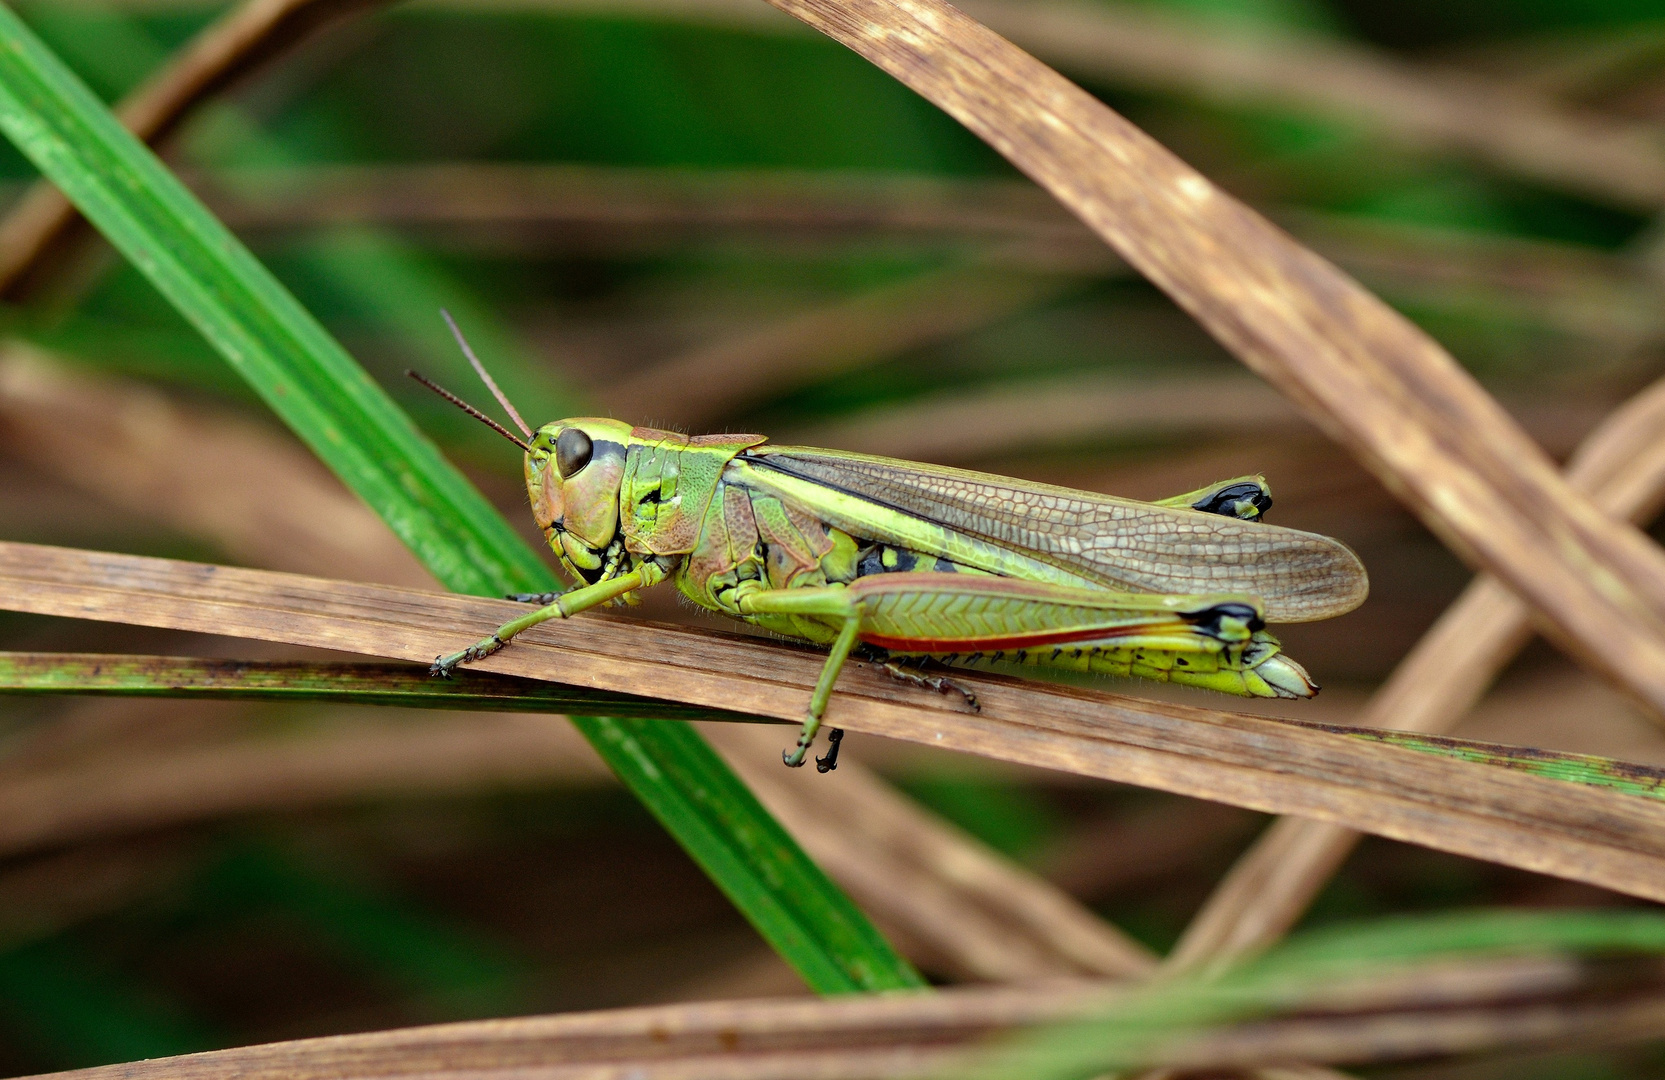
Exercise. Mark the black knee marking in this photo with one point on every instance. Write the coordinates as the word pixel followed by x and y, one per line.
pixel 1211 620
pixel 1247 501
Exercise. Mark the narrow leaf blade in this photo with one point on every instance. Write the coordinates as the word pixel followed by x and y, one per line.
pixel 329 401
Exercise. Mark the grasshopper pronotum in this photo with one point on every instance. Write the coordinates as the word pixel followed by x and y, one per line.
pixel 918 560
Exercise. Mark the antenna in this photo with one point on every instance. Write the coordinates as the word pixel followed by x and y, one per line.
pixel 469 409
pixel 485 376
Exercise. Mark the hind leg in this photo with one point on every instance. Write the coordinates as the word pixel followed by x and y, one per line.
pixel 940 683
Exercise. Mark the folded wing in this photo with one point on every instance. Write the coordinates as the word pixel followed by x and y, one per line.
pixel 1118 543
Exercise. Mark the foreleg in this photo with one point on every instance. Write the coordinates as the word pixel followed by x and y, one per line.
pixel 564 606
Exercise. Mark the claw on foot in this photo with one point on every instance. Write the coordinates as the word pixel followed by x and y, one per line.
pixel 830 762
pixel 794 758
pixel 443 666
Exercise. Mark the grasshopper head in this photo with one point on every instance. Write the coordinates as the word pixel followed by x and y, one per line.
pixel 574 470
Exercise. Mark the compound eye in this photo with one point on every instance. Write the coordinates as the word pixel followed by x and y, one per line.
pixel 572 451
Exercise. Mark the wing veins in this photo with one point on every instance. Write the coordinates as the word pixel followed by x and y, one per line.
pixel 1318 578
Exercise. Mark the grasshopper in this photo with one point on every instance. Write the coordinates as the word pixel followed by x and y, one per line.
pixel 921 561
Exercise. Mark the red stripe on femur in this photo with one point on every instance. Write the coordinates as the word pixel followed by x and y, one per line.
pixel 993 644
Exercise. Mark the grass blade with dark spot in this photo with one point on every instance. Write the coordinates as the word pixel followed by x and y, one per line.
pixel 401 685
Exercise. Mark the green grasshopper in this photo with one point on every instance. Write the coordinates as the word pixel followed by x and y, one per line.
pixel 922 561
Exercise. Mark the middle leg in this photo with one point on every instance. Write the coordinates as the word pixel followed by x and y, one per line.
pixel 828 604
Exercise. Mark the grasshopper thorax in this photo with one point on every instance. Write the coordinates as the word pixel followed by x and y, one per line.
pixel 574 471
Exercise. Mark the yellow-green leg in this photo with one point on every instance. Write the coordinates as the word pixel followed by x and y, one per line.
pixel 565 606
pixel 823 691
pixel 828 604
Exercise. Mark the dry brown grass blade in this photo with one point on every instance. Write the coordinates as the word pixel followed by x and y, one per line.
pixel 715 380
pixel 1622 466
pixel 1568 830
pixel 245 37
pixel 953 903
pixel 917 1035
pixel 853 1037
pixel 261 497
pixel 1365 374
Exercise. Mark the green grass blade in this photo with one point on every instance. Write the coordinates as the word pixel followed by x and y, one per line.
pixel 396 685
pixel 744 848
pixel 1625 776
pixel 329 401
pixel 403 685
pixel 1335 949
